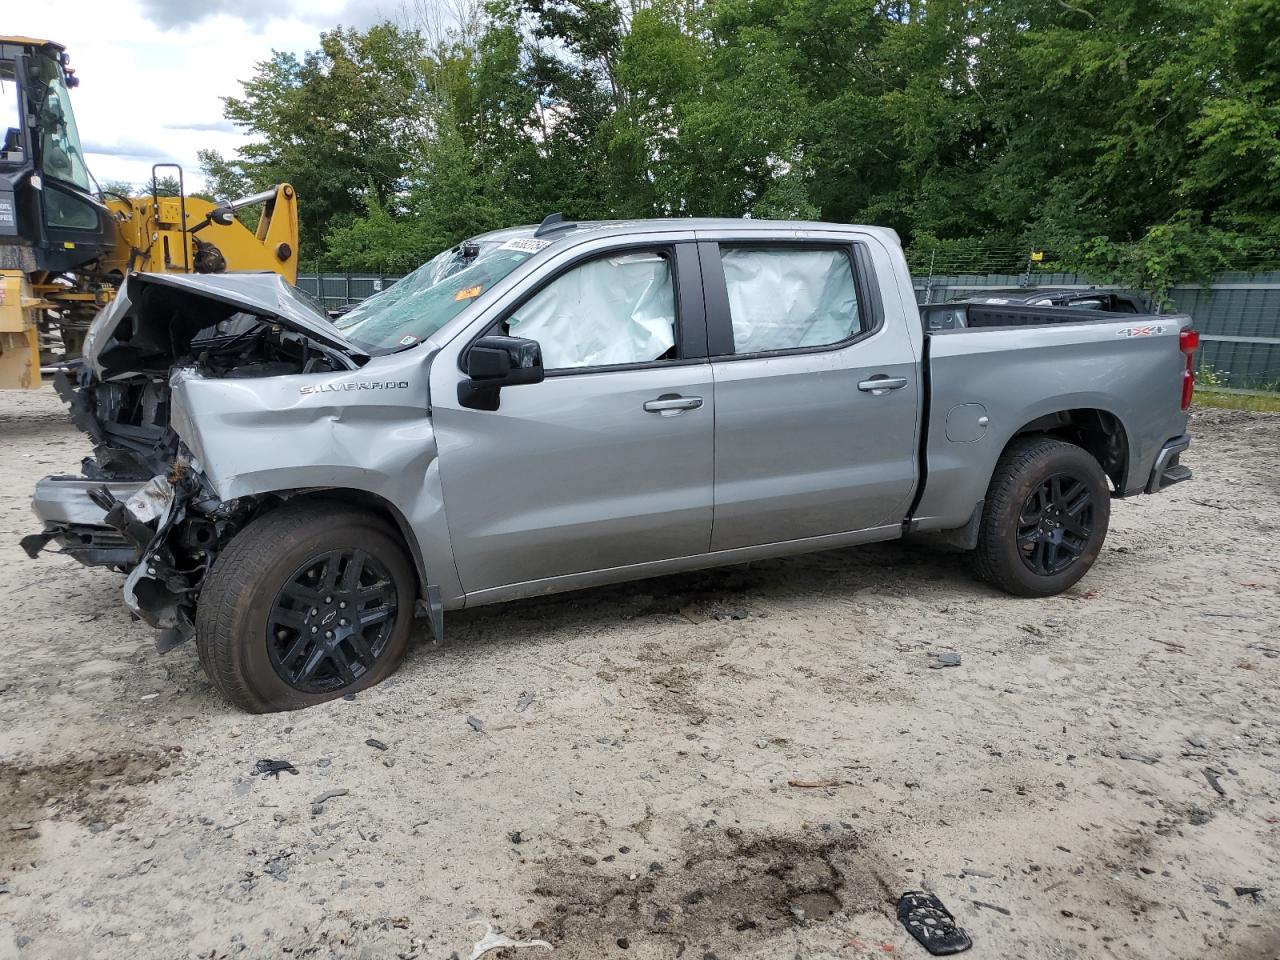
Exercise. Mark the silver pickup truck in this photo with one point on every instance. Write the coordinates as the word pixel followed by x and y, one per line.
pixel 543 409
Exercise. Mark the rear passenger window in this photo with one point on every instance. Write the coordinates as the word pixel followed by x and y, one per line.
pixel 781 298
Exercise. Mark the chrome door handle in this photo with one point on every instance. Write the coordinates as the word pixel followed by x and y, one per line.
pixel 672 405
pixel 877 386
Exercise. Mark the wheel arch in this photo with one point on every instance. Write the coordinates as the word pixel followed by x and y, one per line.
pixel 1099 432
pixel 372 503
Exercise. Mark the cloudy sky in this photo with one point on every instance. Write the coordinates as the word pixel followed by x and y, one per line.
pixel 152 71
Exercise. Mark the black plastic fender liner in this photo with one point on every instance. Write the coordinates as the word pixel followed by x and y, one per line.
pixel 931 924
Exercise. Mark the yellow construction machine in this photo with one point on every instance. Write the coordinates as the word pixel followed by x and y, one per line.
pixel 65 246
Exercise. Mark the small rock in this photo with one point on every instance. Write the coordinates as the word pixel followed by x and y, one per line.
pixel 475 724
pixel 235 731
pixel 948 658
pixel 515 836
pixel 376 744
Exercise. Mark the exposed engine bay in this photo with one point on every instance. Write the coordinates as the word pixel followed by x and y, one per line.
pixel 143 504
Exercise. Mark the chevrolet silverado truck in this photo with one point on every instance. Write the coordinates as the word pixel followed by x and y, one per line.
pixel 544 409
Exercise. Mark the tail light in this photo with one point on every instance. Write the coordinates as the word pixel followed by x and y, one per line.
pixel 1188 343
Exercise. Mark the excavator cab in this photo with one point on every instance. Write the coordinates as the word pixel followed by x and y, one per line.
pixel 65 247
pixel 50 220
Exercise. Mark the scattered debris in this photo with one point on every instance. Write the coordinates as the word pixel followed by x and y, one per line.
pixel 496 941
pixel 318 803
pixel 991 906
pixel 693 615
pixel 947 658
pixel 1139 757
pixel 273 768
pixel 1248 891
pixel 376 744
pixel 931 924
pixel 1212 776
pixel 814 784
pixel 525 701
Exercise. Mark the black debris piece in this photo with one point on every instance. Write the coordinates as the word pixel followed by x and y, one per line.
pixel 1211 775
pixel 376 744
pixel 1248 891
pixel 931 924
pixel 273 768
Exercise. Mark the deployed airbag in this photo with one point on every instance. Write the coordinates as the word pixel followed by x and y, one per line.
pixel 781 299
pixel 613 310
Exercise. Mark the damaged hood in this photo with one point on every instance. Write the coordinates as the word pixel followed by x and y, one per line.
pixel 185 304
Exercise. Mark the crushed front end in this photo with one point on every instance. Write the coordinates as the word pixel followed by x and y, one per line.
pixel 142 504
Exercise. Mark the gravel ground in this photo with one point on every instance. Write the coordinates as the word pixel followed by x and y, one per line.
pixel 750 762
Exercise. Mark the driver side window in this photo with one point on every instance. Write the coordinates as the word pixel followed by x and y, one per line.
pixel 616 309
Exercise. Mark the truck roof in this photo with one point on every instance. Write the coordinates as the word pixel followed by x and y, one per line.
pixel 661 225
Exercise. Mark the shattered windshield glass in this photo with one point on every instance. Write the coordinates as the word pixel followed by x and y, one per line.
pixel 420 304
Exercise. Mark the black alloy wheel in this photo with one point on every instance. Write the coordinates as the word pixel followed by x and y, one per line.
pixel 1045 517
pixel 331 621
pixel 1055 524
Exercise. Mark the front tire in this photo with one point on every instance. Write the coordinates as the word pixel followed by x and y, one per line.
pixel 307 603
pixel 1044 519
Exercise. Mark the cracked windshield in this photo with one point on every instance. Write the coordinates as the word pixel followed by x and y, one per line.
pixel 424 301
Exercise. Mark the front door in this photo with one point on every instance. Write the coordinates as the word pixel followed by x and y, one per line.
pixel 606 463
pixel 817 393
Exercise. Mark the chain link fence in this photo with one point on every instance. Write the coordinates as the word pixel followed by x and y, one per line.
pixel 1237 314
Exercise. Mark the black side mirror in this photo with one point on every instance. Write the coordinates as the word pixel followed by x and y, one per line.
pixel 496 362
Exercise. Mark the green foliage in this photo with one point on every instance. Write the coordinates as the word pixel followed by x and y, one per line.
pixel 1137 140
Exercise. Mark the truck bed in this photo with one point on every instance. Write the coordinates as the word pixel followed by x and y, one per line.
pixel 993 371
pixel 943 317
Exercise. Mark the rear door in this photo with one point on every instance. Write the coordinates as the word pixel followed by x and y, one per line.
pixel 817 394
pixel 606 463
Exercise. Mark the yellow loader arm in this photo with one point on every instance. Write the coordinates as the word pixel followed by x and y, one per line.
pixel 190 235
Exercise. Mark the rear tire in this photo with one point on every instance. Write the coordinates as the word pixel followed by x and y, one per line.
pixel 1044 519
pixel 286 582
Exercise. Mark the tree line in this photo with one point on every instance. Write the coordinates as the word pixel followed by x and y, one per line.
pixel 1133 139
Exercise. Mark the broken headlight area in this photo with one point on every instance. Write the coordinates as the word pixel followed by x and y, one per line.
pixel 142 504
pixel 164 534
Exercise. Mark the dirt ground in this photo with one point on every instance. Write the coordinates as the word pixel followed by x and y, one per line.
pixel 750 762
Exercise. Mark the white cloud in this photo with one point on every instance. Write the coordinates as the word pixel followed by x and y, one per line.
pixel 153 72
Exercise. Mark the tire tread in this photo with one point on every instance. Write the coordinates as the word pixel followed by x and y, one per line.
pixel 241 566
